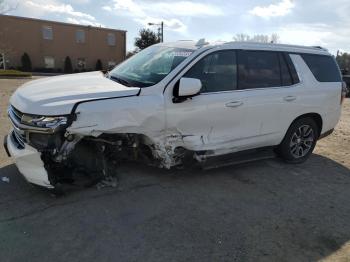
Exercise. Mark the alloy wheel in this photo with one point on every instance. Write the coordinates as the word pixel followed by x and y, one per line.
pixel 302 141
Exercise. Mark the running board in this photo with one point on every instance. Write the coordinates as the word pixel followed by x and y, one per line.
pixel 238 158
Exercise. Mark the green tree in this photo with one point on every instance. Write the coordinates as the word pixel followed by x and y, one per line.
pixel 68 68
pixel 26 63
pixel 146 39
pixel 343 60
pixel 98 65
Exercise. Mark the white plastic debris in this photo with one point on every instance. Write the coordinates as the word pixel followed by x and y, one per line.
pixel 107 182
pixel 5 179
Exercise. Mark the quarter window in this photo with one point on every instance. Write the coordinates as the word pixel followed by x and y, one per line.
pixel 293 71
pixel 111 39
pixel 80 36
pixel 47 32
pixel 217 71
pixel 324 68
pixel 286 77
pixel 258 69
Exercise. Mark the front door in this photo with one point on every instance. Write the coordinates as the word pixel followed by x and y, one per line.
pixel 215 119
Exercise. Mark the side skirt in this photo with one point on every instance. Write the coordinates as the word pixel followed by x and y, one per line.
pixel 239 158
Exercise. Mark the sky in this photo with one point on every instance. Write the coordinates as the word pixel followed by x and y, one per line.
pixel 323 23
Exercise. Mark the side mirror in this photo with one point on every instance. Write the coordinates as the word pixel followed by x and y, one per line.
pixel 186 88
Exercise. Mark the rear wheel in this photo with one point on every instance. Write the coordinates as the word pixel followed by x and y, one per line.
pixel 299 141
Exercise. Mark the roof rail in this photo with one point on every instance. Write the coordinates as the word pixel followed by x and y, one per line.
pixel 320 47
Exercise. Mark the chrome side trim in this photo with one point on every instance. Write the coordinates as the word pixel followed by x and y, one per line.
pixel 17 139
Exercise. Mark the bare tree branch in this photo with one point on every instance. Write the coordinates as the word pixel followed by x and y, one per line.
pixel 261 38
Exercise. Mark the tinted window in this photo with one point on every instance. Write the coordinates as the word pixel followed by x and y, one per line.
pixel 324 68
pixel 291 68
pixel 258 69
pixel 285 74
pixel 217 71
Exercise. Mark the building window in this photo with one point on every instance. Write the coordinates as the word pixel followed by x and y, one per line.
pixel 49 62
pixel 111 39
pixel 47 32
pixel 81 63
pixel 111 64
pixel 80 36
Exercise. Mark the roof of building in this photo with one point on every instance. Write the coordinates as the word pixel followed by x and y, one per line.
pixel 249 45
pixel 61 23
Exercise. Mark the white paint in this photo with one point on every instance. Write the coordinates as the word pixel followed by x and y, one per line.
pixel 29 163
pixel 57 95
pixel 222 122
pixel 189 86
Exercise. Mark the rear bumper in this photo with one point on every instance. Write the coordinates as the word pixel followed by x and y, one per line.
pixel 28 161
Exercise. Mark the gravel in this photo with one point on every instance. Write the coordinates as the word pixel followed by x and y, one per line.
pixel 260 211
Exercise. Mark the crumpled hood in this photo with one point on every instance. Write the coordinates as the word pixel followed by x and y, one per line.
pixel 57 95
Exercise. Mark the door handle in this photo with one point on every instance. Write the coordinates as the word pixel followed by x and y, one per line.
pixel 289 98
pixel 234 104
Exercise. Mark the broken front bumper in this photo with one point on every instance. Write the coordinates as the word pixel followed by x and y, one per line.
pixel 28 161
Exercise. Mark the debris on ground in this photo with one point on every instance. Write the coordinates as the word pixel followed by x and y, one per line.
pixel 109 181
pixel 5 179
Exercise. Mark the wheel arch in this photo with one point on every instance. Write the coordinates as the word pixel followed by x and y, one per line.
pixel 314 116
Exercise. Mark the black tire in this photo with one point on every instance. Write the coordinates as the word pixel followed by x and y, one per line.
pixel 299 141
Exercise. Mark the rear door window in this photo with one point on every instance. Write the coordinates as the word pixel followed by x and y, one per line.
pixel 324 68
pixel 258 69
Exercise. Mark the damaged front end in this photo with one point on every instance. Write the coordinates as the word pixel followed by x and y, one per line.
pixel 62 157
pixel 47 155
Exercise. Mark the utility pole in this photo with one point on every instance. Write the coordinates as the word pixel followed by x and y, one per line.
pixel 160 30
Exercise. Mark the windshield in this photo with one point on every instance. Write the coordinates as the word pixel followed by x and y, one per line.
pixel 150 66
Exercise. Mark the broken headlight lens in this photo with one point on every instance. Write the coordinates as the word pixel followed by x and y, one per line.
pixel 44 121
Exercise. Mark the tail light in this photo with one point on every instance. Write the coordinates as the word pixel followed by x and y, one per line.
pixel 344 92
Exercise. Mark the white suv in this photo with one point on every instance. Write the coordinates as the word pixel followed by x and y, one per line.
pixel 176 104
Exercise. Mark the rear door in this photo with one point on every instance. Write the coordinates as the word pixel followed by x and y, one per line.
pixel 266 85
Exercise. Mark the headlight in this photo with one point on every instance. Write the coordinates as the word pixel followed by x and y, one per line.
pixel 44 121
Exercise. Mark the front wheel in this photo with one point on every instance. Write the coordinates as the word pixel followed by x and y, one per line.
pixel 299 141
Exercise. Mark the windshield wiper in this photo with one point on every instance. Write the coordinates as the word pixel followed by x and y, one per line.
pixel 120 81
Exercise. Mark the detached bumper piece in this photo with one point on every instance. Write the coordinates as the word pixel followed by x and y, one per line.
pixel 28 161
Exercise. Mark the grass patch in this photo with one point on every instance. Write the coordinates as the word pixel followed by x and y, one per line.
pixel 14 73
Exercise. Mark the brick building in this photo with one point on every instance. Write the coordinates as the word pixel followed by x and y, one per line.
pixel 48 43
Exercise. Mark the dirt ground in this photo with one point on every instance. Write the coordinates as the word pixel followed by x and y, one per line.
pixel 261 211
